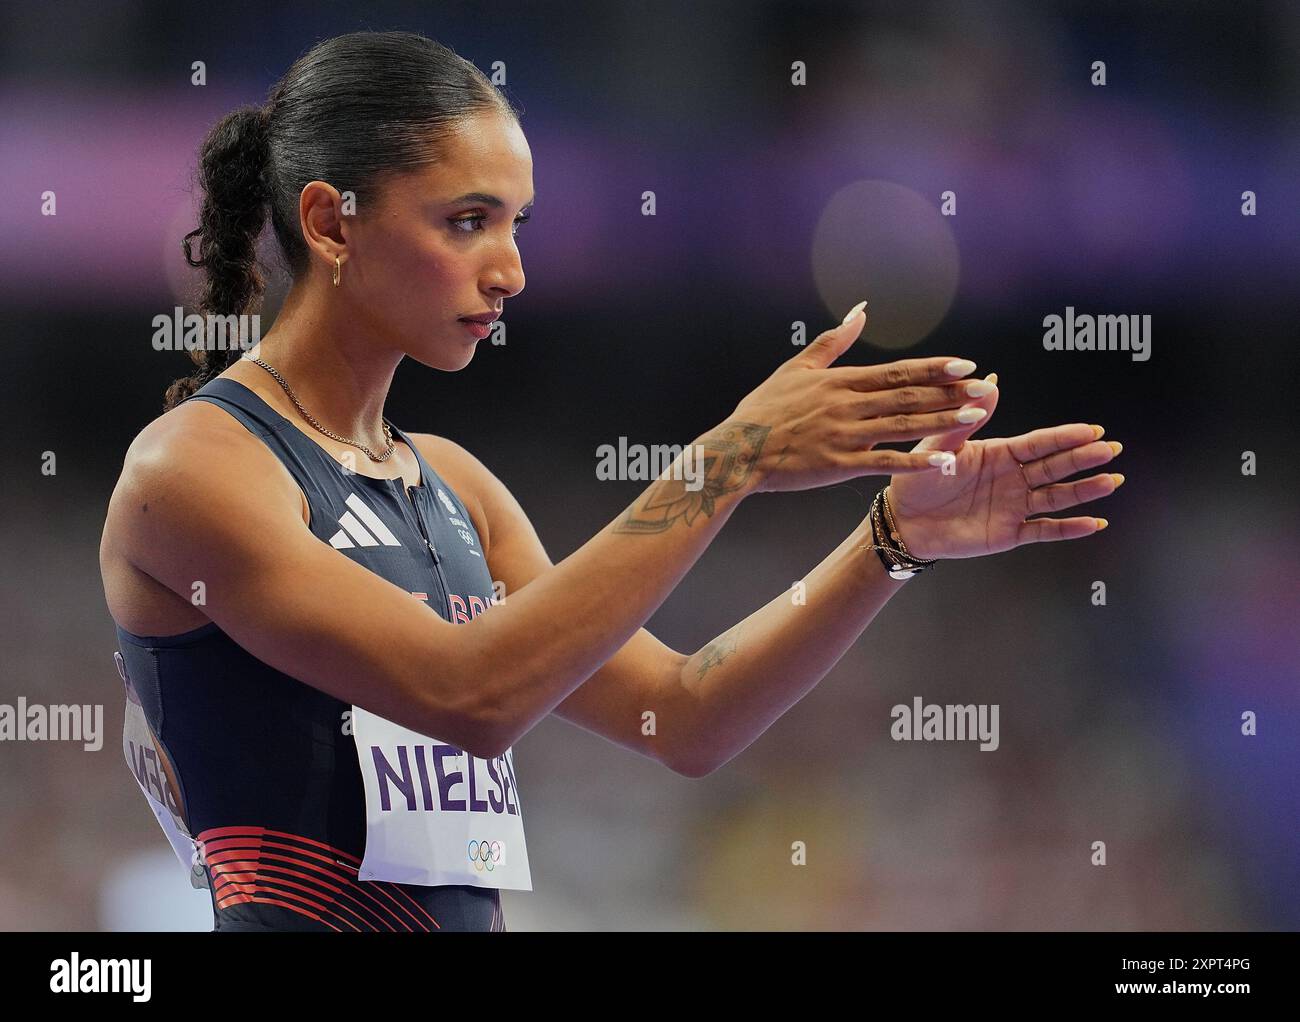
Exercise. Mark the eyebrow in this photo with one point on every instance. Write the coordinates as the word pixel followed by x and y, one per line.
pixel 486 199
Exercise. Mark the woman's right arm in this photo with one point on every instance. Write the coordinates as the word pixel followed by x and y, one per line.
pixel 189 512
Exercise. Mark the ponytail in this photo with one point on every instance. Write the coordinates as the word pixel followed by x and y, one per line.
pixel 233 165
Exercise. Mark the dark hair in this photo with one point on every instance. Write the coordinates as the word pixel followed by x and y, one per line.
pixel 350 111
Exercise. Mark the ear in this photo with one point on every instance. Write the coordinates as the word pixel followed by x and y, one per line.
pixel 320 216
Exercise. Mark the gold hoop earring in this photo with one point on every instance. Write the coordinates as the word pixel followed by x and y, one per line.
pixel 338 271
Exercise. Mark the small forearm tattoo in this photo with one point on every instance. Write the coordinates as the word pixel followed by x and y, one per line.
pixel 730 453
pixel 718 650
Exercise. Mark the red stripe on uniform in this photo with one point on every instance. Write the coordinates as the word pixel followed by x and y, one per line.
pixel 220 832
pixel 228 887
pixel 224 861
pixel 224 874
pixel 382 886
pixel 221 844
pixel 258 893
pixel 294 908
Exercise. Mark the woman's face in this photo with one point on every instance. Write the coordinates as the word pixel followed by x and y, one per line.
pixel 429 255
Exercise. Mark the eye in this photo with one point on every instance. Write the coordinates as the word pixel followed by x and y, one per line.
pixel 478 218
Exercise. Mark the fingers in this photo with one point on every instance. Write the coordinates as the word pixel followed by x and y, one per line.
pixel 869 463
pixel 1048 469
pixel 912 427
pixel 907 372
pixel 876 404
pixel 1049 530
pixel 953 441
pixel 831 344
pixel 1066 495
pixel 1041 442
pixel 1067 463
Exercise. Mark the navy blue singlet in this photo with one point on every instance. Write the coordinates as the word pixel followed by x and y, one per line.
pixel 269 781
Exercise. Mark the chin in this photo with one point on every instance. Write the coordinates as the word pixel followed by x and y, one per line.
pixel 444 358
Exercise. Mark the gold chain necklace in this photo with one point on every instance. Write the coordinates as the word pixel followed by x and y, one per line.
pixel 388 433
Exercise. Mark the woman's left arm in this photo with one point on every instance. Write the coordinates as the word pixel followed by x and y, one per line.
pixel 979 504
pixel 746 678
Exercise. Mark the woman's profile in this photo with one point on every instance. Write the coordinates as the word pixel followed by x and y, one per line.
pixel 333 631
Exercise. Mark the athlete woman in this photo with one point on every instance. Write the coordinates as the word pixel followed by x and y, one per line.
pixel 329 656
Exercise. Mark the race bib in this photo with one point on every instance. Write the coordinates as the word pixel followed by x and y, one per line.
pixel 144 760
pixel 435 814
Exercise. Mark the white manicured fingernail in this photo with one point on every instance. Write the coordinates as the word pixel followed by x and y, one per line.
pixel 979 388
pixel 939 457
pixel 971 415
pixel 959 367
pixel 853 312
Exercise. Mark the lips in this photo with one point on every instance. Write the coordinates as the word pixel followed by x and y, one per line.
pixel 487 318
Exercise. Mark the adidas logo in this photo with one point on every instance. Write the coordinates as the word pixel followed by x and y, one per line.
pixel 355 525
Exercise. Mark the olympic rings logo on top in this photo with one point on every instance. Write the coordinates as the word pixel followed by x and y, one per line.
pixel 487 855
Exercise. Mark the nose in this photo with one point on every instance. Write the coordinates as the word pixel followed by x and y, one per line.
pixel 504 278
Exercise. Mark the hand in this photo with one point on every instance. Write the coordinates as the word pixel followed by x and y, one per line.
pixel 814 425
pixel 981 507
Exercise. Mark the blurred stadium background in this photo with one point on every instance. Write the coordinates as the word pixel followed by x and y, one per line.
pixel 776 203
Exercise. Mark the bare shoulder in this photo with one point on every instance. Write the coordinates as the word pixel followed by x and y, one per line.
pixel 172 434
pixel 188 454
pixel 198 439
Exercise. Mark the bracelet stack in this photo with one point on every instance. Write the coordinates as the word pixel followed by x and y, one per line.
pixel 888 543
